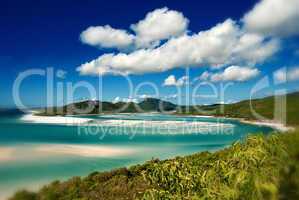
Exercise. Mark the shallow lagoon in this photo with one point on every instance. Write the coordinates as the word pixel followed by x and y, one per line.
pixel 33 153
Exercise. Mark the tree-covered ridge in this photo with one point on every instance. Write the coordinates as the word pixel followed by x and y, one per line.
pixel 98 107
pixel 262 167
pixel 244 109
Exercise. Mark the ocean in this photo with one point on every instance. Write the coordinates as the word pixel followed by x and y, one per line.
pixel 34 152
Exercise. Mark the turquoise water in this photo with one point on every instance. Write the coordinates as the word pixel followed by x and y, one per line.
pixel 34 154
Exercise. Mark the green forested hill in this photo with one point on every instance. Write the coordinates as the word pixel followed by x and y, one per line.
pixel 264 107
pixel 147 105
pixel 243 109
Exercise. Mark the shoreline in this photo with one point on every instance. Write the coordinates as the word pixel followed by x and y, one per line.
pixel 67 120
pixel 272 124
pixel 73 120
pixel 275 125
pixel 163 127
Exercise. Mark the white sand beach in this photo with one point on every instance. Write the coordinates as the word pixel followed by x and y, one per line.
pixel 54 119
pixel 120 122
pixel 84 150
pixel 6 153
pixel 70 120
pixel 275 125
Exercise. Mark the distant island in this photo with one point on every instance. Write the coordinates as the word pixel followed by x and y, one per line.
pixel 98 107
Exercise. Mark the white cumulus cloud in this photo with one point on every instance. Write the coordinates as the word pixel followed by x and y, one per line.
pixel 171 96
pixel 251 47
pixel 223 44
pixel 116 100
pixel 107 37
pixel 158 25
pixel 204 76
pixel 130 100
pixel 286 75
pixel 145 96
pixel 274 17
pixel 171 81
pixel 235 73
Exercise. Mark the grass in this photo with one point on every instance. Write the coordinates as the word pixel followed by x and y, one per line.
pixel 262 167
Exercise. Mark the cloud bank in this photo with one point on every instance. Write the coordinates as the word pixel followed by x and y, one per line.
pixel 223 44
pixel 158 25
pixel 286 74
pixel 106 37
pixel 274 17
pixel 231 73
pixel 161 42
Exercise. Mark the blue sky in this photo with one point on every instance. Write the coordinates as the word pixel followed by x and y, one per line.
pixel 42 34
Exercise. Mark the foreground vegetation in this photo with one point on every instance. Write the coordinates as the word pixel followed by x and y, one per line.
pixel 262 167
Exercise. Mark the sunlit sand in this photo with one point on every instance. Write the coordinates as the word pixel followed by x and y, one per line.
pixel 54 119
pixel 6 153
pixel 84 150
